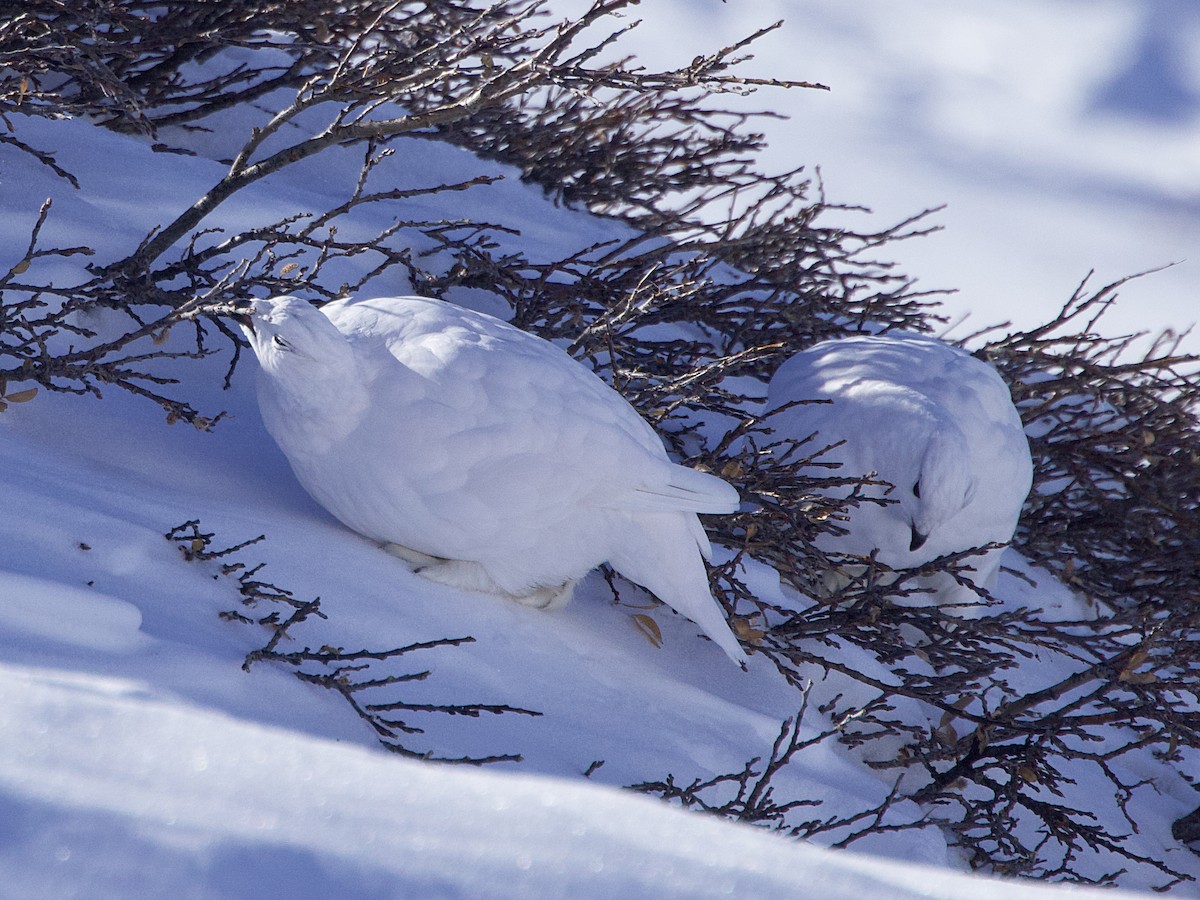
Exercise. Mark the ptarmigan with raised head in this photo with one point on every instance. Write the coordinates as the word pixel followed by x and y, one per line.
pixel 484 455
pixel 932 421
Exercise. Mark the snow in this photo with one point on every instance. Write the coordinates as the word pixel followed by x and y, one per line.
pixel 140 794
pixel 43 610
pixel 138 759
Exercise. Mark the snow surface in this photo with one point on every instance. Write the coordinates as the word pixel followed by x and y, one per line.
pixel 138 759
pixel 118 789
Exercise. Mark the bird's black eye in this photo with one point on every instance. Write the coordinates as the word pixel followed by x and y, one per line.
pixel 280 343
pixel 917 490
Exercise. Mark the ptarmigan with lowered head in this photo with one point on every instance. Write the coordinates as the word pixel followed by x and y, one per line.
pixel 484 455
pixel 936 424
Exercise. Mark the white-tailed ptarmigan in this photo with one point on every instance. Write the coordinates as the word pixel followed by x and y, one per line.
pixel 929 419
pixel 483 455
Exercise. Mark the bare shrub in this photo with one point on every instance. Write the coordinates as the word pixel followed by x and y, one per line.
pixel 1115 509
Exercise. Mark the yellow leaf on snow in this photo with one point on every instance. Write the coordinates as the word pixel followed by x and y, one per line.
pixel 649 628
pixel 22 396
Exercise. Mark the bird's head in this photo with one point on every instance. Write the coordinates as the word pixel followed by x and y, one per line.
pixel 290 335
pixel 944 483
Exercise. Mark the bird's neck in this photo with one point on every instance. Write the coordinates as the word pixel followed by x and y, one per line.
pixel 319 406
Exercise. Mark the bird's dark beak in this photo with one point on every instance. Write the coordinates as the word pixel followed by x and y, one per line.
pixel 239 312
pixel 918 540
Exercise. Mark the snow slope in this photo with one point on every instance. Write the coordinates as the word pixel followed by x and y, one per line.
pixel 138 759
pixel 118 789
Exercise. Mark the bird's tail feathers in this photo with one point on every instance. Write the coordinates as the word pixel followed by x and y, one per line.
pixel 664 556
pixel 688 490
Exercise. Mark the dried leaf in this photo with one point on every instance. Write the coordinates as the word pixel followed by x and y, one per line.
pixel 20 268
pixel 946 719
pixel 746 631
pixel 1129 673
pixel 161 336
pixel 732 469
pixel 1027 774
pixel 21 396
pixel 1138 677
pixel 983 737
pixel 1138 657
pixel 649 628
pixel 198 545
pixel 289 268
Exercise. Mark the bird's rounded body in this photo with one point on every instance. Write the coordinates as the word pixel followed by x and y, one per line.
pixel 458 439
pixel 934 423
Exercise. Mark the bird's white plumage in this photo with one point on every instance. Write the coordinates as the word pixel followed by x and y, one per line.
pixel 483 453
pixel 929 419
